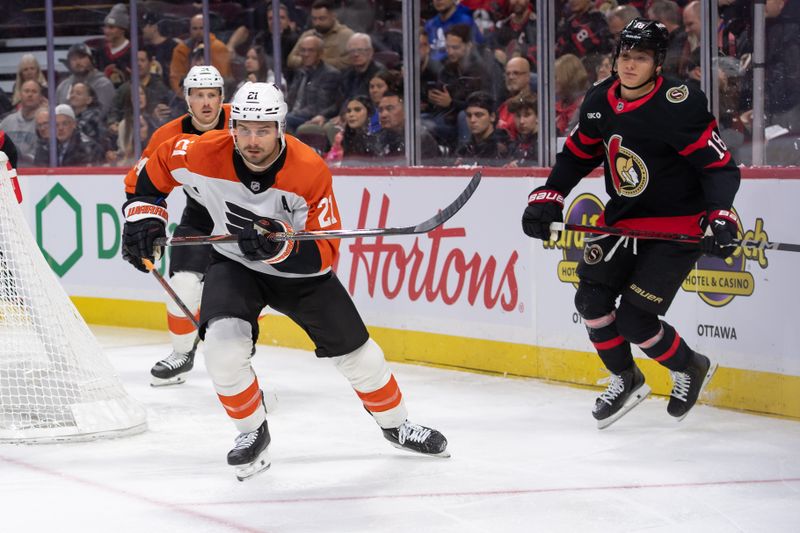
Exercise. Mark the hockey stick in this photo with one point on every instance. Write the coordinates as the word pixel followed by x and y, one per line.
pixel 681 237
pixel 172 294
pixel 423 227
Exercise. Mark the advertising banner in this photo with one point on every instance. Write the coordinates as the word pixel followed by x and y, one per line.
pixel 477 276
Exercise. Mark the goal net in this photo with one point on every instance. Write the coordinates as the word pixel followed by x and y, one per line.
pixel 55 382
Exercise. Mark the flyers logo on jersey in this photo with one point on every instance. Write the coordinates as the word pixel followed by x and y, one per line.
pixel 628 171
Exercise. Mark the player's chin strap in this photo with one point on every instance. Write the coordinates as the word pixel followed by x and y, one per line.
pixel 651 80
pixel 205 127
pixel 196 121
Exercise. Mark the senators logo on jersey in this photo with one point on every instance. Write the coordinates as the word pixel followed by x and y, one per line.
pixel 628 171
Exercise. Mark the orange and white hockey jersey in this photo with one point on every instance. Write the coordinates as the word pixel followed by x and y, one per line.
pixel 297 188
pixel 182 124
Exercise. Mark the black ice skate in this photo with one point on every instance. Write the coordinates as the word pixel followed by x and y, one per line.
pixel 419 439
pixel 250 453
pixel 169 371
pixel 626 391
pixel 688 384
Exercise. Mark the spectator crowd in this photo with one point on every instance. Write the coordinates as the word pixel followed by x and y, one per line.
pixel 342 74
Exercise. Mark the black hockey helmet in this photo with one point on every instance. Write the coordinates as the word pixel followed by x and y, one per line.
pixel 644 34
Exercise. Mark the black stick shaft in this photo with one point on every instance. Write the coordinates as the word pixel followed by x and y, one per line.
pixel 681 237
pixel 172 294
pixel 313 235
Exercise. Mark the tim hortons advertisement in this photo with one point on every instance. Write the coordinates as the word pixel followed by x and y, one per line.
pixel 468 277
pixel 477 275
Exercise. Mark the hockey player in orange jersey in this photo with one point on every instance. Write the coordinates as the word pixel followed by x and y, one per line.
pixel 203 89
pixel 255 180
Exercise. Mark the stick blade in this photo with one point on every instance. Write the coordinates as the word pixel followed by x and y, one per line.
pixel 447 213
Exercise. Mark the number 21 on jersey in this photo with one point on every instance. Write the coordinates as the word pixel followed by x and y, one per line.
pixel 326 216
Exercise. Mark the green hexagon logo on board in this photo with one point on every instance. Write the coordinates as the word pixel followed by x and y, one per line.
pixel 58 192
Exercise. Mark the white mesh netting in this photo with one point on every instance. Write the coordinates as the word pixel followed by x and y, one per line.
pixel 55 382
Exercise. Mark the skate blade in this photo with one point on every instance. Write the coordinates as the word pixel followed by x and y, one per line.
pixel 635 399
pixel 161 382
pixel 262 463
pixel 710 374
pixel 444 455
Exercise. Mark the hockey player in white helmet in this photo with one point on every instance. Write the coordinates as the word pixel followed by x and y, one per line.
pixel 205 107
pixel 254 181
pixel 204 91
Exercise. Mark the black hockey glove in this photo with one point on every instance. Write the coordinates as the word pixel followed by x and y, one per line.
pixel 255 244
pixel 724 228
pixel 544 207
pixel 145 221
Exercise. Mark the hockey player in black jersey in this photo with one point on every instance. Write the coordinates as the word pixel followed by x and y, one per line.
pixel 666 169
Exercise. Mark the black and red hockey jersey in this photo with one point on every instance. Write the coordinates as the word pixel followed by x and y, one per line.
pixel 583 34
pixel 664 161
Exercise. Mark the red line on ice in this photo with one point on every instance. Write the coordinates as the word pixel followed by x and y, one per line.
pixel 180 508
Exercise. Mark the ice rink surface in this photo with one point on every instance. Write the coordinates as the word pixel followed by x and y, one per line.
pixel 526 456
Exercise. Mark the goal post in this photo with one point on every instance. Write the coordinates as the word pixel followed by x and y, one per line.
pixel 55 382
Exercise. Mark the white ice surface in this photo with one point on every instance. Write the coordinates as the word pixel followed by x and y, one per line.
pixel 526 457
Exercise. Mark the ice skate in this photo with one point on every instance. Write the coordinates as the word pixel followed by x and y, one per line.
pixel 688 384
pixel 171 370
pixel 625 391
pixel 419 439
pixel 250 453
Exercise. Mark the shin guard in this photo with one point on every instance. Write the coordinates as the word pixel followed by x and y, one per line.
pixel 613 349
pixel 228 342
pixel 371 378
pixel 189 288
pixel 668 348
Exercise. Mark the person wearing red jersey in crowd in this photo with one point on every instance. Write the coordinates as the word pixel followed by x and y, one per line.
pixel 667 170
pixel 256 180
pixel 204 92
pixel 114 58
pixel 515 35
pixel 518 84
pixel 583 31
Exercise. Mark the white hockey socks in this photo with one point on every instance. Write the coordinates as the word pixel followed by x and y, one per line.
pixel 371 378
pixel 228 342
pixel 189 288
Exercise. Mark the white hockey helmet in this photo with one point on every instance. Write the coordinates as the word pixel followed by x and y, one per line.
pixel 262 102
pixel 203 77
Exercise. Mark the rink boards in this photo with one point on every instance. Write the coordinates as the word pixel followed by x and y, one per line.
pixel 475 294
